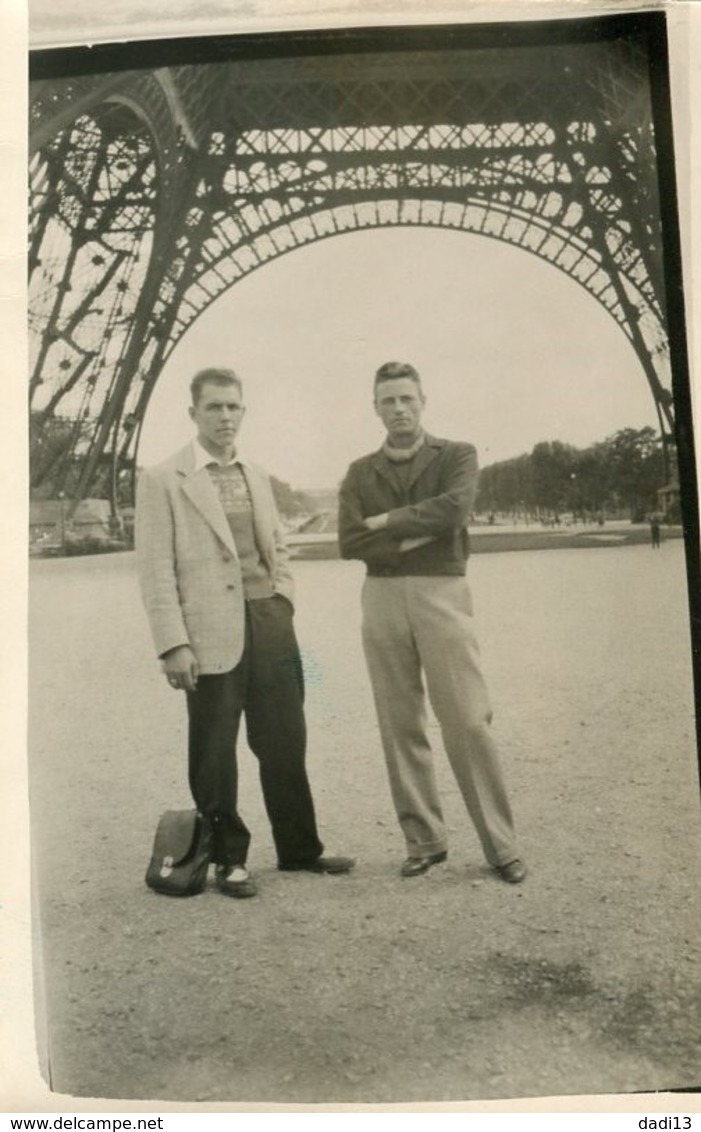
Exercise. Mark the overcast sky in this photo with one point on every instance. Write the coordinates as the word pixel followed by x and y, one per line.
pixel 511 352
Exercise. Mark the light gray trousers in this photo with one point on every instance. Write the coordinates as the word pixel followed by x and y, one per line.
pixel 416 627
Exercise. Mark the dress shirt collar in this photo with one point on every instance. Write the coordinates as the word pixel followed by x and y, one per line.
pixel 203 457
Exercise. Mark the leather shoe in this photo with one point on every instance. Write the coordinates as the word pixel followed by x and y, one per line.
pixel 331 865
pixel 513 872
pixel 234 880
pixel 414 866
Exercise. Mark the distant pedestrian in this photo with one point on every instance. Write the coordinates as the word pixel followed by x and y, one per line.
pixel 655 532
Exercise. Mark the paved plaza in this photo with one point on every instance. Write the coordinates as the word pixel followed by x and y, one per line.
pixel 368 988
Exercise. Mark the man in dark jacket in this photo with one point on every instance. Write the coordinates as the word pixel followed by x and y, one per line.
pixel 403 511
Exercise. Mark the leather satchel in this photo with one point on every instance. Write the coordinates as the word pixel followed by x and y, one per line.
pixel 181 854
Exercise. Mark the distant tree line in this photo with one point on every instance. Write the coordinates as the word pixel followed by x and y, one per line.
pixel 290 502
pixel 620 475
pixel 56 465
pixel 53 464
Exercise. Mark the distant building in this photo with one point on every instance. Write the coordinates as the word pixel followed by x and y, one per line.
pixel 669 502
pixel 49 524
pixel 320 499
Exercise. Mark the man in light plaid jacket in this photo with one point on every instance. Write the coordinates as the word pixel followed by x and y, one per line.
pixel 215 579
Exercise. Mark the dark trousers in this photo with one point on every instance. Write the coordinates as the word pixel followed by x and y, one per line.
pixel 268 687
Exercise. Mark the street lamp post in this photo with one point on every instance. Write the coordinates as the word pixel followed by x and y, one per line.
pixel 62 519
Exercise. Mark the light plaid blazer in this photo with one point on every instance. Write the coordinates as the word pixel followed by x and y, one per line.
pixel 188 568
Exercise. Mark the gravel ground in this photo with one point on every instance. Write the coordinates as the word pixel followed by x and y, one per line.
pixel 368 988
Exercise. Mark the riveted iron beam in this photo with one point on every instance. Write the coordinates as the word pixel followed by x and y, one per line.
pixel 158 187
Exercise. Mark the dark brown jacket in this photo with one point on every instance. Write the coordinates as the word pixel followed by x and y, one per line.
pixel 435 503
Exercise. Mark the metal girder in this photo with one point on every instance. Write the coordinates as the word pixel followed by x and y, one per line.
pixel 154 191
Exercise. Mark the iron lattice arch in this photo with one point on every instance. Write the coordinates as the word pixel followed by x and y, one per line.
pixel 154 191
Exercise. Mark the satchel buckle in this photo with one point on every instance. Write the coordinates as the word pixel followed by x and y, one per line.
pixel 167 867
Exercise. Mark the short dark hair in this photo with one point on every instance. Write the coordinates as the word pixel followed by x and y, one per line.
pixel 214 376
pixel 390 371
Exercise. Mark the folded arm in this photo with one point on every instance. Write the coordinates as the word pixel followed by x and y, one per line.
pixel 356 539
pixel 381 539
pixel 441 513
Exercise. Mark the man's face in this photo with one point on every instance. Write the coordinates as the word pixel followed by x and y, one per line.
pixel 218 414
pixel 399 404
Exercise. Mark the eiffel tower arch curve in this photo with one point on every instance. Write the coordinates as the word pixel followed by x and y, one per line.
pixel 532 233
pixel 156 191
pixel 494 220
